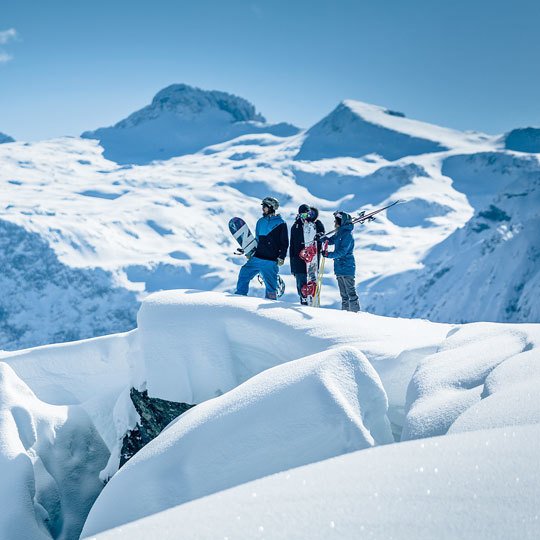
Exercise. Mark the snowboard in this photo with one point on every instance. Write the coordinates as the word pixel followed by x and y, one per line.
pixel 309 256
pixel 248 245
pixel 244 237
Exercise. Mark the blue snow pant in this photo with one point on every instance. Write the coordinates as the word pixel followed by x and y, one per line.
pixel 254 266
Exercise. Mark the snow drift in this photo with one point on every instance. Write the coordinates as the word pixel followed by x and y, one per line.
pixel 305 384
pixel 481 485
pixel 306 411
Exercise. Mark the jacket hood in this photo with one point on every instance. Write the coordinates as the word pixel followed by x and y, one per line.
pixel 346 219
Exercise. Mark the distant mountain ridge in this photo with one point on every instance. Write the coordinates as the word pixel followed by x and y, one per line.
pixel 86 239
pixel 182 120
pixel 5 138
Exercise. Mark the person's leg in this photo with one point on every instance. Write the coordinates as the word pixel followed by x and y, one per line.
pixel 301 280
pixel 247 273
pixel 343 293
pixel 269 273
pixel 350 287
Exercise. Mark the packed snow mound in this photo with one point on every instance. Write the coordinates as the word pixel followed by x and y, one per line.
pixel 50 458
pixel 182 120
pixel 358 129
pixel 481 485
pixel 301 412
pixel 211 346
pixel 523 140
pixel 488 270
pixel 456 378
pixel 5 138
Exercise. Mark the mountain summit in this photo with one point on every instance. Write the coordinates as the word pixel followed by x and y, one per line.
pixel 5 138
pixel 181 120
pixel 357 129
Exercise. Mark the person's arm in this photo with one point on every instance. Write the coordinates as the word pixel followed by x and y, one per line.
pixel 343 248
pixel 283 241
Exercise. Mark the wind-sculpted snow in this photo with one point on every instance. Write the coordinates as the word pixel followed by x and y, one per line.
pixel 454 380
pixel 295 378
pixel 50 457
pixel 481 485
pixel 302 412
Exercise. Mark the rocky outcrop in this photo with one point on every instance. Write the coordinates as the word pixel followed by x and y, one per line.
pixel 155 414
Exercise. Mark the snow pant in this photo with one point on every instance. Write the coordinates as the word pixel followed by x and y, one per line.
pixel 268 271
pixel 347 290
pixel 301 280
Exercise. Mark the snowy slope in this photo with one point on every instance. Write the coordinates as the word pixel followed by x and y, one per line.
pixel 182 120
pixel 488 270
pixel 482 485
pixel 357 129
pixel 251 373
pixel 106 235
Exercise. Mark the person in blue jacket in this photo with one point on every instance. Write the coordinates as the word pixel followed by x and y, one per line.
pixel 344 264
pixel 272 244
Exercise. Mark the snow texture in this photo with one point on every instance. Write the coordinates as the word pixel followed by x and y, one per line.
pixel 481 485
pixel 109 234
pixel 302 412
pixel 182 120
pixel 277 387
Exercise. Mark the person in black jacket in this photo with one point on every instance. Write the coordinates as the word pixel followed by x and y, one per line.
pixel 298 266
pixel 272 243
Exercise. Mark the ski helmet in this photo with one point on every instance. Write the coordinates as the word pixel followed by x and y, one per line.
pixel 271 202
pixel 303 209
pixel 342 218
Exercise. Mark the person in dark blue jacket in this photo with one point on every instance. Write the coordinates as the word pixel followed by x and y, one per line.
pixel 344 264
pixel 272 244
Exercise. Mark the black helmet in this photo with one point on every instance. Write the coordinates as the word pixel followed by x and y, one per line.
pixel 303 209
pixel 342 218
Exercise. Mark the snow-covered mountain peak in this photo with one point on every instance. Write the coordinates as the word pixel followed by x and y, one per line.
pixel 357 129
pixel 182 120
pixel 5 138
pixel 189 102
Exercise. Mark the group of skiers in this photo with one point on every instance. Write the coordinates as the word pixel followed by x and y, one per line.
pixel 273 242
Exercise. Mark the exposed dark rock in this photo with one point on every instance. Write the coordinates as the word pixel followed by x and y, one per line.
pixel 155 414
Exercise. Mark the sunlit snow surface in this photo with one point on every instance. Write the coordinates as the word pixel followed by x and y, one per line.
pixel 108 234
pixel 280 386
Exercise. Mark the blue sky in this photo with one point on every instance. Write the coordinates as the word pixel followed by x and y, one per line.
pixel 70 66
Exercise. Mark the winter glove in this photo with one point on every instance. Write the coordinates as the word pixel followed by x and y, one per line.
pixel 280 262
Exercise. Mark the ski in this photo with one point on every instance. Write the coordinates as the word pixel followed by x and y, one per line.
pixel 370 216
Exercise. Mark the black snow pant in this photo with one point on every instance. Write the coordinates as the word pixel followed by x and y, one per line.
pixel 301 280
pixel 347 289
